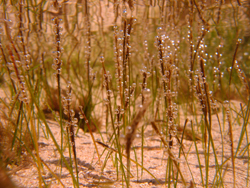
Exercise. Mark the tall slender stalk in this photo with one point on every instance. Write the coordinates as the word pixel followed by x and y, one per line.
pixel 57 67
pixel 106 83
pixel 226 105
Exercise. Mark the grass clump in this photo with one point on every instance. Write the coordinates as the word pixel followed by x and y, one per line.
pixel 129 74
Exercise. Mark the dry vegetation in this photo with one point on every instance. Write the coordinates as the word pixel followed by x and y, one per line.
pixel 124 93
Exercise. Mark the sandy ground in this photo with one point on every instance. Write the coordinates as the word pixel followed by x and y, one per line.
pixel 92 173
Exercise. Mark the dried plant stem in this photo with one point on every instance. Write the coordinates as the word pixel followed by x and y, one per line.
pixel 118 64
pixel 116 7
pixel 207 115
pixel 144 83
pixel 200 14
pixel 190 37
pixel 71 122
pixel 131 134
pixel 208 124
pixel 219 12
pixel 20 33
pixel 90 131
pixel 88 40
pixel 170 109
pixel 8 70
pixel 231 144
pixel 72 140
pixel 168 151
pixel 58 77
pixel 161 54
pixel 197 46
pixel 33 130
pixel 10 39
